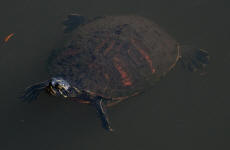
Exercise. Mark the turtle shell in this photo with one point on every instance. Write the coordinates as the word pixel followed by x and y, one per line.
pixel 115 56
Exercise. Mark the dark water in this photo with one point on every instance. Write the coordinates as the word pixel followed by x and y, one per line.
pixel 184 111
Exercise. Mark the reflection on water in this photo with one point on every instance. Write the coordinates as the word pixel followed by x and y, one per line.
pixel 183 111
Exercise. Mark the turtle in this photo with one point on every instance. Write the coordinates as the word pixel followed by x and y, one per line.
pixel 107 59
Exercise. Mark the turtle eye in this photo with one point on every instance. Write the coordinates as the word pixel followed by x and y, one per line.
pixel 56 85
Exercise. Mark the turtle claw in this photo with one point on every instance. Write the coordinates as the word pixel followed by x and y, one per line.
pixel 192 67
pixel 203 57
pixel 197 64
pixel 194 59
pixel 203 52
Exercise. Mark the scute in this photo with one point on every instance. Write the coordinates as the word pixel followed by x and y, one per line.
pixel 115 56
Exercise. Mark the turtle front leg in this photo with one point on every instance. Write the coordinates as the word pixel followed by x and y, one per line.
pixel 31 93
pixel 101 109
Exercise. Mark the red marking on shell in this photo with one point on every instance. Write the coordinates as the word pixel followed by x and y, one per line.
pixel 109 48
pixel 119 47
pixel 145 55
pixel 92 65
pixel 125 78
pixel 106 76
pixel 70 52
pixel 119 99
pixel 101 45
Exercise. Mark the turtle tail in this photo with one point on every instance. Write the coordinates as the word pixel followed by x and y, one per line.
pixel 194 59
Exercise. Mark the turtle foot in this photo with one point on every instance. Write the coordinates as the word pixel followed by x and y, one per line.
pixel 73 21
pixel 194 59
pixel 31 93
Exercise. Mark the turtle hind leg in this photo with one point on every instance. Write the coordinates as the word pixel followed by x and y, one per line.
pixel 72 22
pixel 194 59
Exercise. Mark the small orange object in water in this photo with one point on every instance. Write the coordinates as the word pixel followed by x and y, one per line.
pixel 6 39
pixel 125 78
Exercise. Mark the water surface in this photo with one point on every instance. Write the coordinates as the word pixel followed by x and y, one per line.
pixel 183 111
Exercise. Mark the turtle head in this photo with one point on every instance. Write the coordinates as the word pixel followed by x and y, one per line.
pixel 59 87
pixel 55 86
